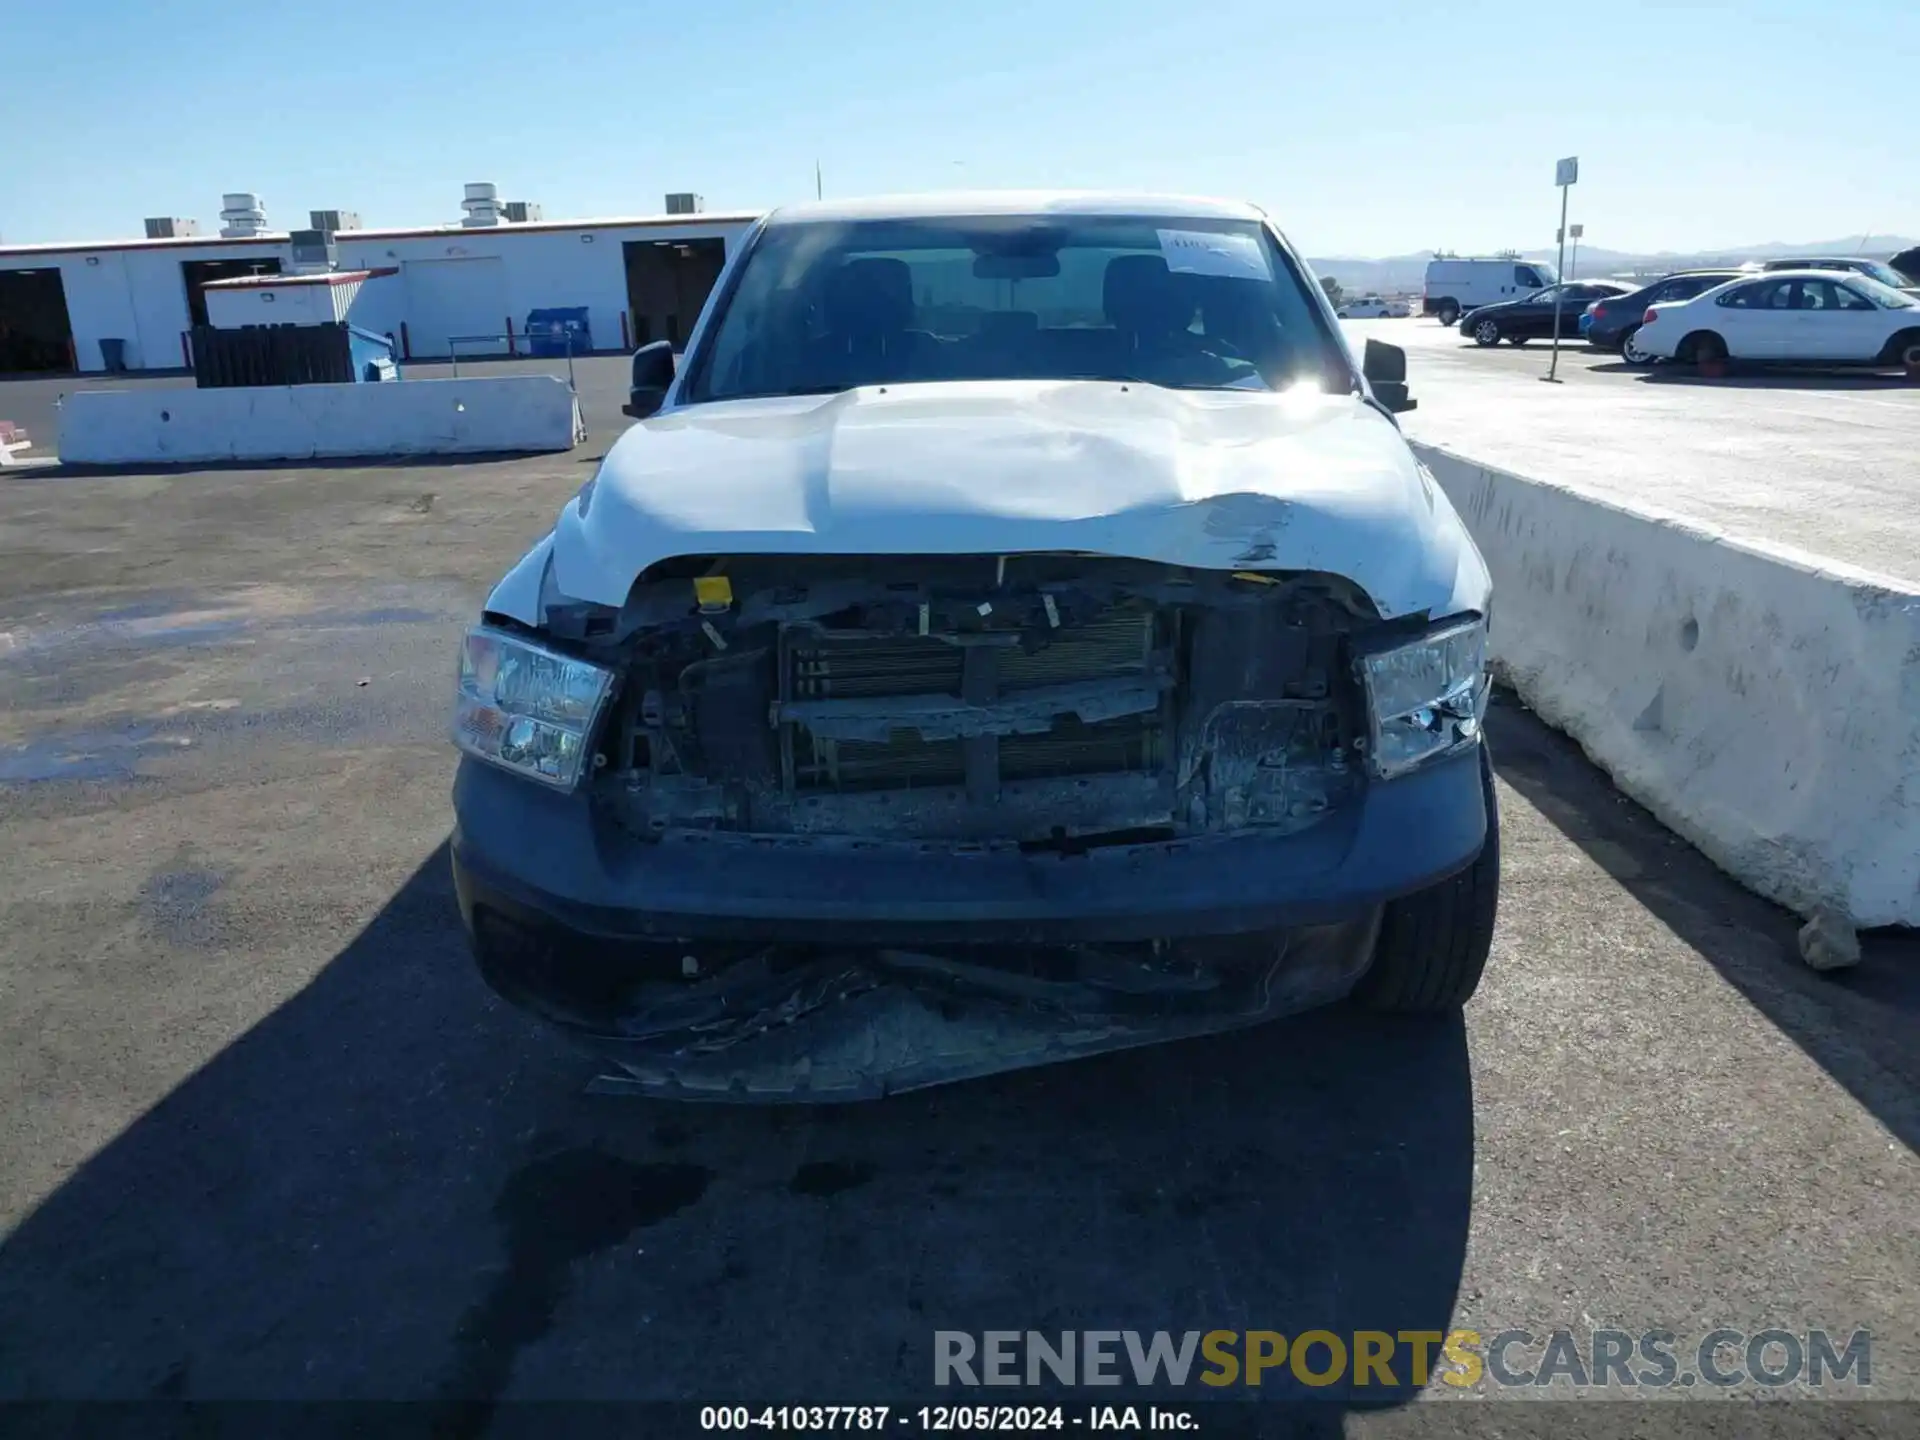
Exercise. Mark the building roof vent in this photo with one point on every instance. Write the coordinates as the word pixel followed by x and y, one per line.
pixel 334 221
pixel 241 214
pixel 685 202
pixel 313 252
pixel 482 204
pixel 170 227
pixel 521 211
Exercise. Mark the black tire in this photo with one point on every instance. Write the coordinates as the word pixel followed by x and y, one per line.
pixel 1705 351
pixel 1448 312
pixel 1486 332
pixel 1627 351
pixel 1903 350
pixel 1433 944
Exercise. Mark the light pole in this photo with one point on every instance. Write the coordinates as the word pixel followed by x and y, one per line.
pixel 1576 231
pixel 1565 174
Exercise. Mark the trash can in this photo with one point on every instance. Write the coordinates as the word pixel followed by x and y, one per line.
pixel 559 331
pixel 113 355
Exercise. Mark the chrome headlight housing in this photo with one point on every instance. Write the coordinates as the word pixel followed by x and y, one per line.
pixel 1426 697
pixel 526 708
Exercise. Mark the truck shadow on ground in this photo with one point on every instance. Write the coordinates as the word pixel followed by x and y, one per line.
pixel 394 1187
pixel 1857 1024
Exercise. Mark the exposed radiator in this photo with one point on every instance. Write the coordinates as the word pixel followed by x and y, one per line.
pixel 830 665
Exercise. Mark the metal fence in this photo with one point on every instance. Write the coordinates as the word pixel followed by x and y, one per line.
pixel 271 355
pixel 512 342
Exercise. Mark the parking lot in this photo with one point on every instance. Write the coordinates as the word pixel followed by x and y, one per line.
pixel 1823 461
pixel 268 1136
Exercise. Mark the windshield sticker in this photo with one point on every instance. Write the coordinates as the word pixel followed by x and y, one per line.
pixel 1207 252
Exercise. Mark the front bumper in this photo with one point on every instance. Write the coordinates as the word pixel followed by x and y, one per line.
pixel 844 941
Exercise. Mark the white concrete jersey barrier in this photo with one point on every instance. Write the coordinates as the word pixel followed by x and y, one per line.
pixel 312 422
pixel 1763 703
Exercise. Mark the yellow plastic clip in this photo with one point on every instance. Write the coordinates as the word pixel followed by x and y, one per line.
pixel 1257 579
pixel 714 592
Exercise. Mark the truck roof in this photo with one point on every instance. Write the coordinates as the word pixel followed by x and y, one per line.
pixel 954 203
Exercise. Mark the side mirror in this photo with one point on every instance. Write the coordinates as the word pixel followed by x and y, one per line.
pixel 1385 367
pixel 652 374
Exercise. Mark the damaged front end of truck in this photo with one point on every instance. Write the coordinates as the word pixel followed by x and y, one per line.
pixel 856 824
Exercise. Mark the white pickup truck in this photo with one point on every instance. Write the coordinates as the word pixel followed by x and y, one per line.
pixel 1018 629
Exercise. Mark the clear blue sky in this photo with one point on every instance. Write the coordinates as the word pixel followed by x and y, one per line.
pixel 1362 126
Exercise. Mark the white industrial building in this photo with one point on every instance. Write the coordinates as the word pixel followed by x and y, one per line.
pixel 639 278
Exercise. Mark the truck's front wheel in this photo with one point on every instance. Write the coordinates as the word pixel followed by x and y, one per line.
pixel 1433 944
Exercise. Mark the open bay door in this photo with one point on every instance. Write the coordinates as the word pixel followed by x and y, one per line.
pixel 448 299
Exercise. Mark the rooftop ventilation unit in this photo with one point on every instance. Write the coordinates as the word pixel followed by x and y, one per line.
pixel 241 215
pixel 334 221
pixel 521 211
pixel 685 202
pixel 313 251
pixel 482 204
pixel 167 227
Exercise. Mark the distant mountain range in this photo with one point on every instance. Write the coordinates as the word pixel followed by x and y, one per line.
pixel 1409 272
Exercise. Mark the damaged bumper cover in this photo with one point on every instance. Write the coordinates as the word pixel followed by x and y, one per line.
pixel 861 967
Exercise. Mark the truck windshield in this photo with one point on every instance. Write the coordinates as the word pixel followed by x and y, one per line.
pixel 821 306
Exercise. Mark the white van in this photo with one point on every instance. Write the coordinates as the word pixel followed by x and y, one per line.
pixel 1457 283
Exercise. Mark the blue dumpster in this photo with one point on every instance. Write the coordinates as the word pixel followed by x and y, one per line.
pixel 549 331
pixel 372 355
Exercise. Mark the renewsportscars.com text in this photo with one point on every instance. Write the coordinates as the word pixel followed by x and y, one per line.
pixel 1464 1359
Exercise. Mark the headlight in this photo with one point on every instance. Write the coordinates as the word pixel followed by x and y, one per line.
pixel 1426 698
pixel 526 708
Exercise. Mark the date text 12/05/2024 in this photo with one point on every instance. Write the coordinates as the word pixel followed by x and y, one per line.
pixel 944 1418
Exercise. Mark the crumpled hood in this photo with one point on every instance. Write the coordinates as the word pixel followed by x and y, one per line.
pixel 1211 479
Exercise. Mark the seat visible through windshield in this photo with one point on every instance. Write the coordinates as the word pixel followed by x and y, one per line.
pixel 823 306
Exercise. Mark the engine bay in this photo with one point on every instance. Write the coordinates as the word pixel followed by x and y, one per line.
pixel 1045 701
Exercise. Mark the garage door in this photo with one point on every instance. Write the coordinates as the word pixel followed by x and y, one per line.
pixel 448 299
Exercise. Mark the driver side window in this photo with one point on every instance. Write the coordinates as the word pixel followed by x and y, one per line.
pixel 1766 295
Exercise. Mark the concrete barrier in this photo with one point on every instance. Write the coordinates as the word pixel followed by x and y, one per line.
pixel 1763 703
pixel 309 422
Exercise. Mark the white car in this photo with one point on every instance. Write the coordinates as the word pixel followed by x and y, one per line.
pixel 1803 317
pixel 1017 629
pixel 1372 307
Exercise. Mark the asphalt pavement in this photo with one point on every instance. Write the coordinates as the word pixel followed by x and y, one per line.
pixel 1826 462
pixel 265 1134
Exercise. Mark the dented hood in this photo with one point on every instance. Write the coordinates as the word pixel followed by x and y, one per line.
pixel 1212 479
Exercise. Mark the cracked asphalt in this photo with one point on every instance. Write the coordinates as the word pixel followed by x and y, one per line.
pixel 265 1136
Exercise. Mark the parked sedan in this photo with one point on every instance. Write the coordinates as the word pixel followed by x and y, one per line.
pixel 1372 307
pixel 1531 316
pixel 1804 317
pixel 1611 324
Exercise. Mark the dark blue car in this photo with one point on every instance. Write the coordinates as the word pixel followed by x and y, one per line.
pixel 1610 323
